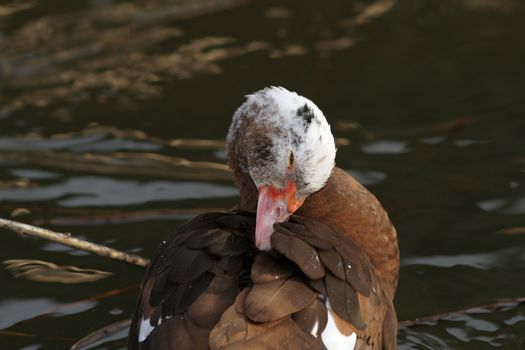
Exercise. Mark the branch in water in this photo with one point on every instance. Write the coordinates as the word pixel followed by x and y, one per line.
pixel 31 335
pixel 113 216
pixel 68 240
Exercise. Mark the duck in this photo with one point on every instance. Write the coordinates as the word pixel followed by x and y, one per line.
pixel 308 259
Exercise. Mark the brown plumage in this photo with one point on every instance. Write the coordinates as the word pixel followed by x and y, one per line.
pixel 194 276
pixel 333 265
pixel 323 262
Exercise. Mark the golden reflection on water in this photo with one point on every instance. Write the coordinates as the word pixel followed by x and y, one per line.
pixel 44 271
pixel 111 49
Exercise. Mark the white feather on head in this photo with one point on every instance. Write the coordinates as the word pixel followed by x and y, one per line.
pixel 274 122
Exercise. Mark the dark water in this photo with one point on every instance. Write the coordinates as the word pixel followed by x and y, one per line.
pixel 427 98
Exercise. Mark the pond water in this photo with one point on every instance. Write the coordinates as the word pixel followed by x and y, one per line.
pixel 112 116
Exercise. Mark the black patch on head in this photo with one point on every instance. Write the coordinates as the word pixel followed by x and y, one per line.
pixel 306 114
pixel 296 140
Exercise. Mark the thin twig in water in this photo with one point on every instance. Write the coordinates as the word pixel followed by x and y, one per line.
pixel 129 216
pixel 68 240
pixel 31 335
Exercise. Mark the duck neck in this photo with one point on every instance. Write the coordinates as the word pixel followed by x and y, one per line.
pixel 248 191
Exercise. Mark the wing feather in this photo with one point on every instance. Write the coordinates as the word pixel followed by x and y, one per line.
pixel 315 272
pixel 193 278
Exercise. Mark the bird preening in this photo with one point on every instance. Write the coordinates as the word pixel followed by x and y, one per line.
pixel 307 260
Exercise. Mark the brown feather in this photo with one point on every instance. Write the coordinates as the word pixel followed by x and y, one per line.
pixel 344 301
pixel 313 316
pixel 192 279
pixel 358 268
pixel 159 288
pixel 235 332
pixel 318 285
pixel 351 210
pixel 268 268
pixel 295 229
pixel 207 309
pixel 333 262
pixel 274 300
pixel 199 260
pixel 182 296
pixel 343 326
pixel 300 252
pixel 177 333
pixel 389 328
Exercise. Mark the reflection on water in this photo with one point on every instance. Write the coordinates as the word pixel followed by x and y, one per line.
pixel 96 191
pixel 33 174
pixel 506 257
pixel 43 271
pixel 55 247
pixel 368 177
pixel 503 205
pixel 385 147
pixel 114 331
pixel 481 331
pixel 15 310
pixel 113 116
pixel 131 32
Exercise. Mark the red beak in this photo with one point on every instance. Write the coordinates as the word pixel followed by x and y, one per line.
pixel 273 206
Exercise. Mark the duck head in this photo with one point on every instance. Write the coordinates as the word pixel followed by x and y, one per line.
pixel 281 150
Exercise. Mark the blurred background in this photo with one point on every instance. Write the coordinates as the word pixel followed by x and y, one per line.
pixel 113 115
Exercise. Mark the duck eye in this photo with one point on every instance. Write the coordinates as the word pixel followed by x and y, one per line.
pixel 291 160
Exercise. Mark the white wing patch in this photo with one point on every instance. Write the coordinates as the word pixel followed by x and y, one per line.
pixel 145 329
pixel 332 337
pixel 315 328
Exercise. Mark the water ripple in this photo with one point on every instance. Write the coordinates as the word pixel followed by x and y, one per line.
pixel 98 191
pixel 503 205
pixel 386 147
pixel 96 142
pixel 368 177
pixel 15 310
pixel 499 258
